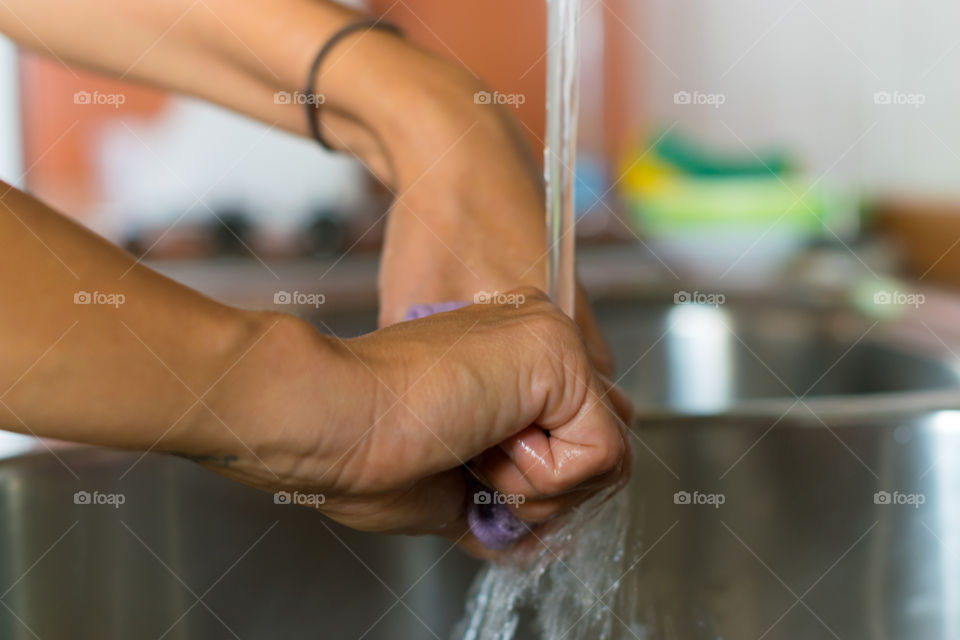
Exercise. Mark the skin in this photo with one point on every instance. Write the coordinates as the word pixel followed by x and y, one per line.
pixel 383 424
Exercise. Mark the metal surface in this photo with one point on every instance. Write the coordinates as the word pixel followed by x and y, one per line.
pixel 262 570
pixel 803 545
pixel 761 356
pixel 800 547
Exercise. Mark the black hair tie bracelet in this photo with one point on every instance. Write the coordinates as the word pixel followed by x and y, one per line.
pixel 313 106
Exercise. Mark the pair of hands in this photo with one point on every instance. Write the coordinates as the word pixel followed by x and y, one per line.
pixel 518 392
pixel 381 425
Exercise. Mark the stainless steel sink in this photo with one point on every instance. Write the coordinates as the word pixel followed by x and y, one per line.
pixel 262 570
pixel 761 353
pixel 800 548
pixel 848 531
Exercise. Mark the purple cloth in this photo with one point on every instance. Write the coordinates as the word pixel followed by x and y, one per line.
pixel 418 311
pixel 492 523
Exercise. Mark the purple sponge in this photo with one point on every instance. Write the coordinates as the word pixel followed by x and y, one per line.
pixel 493 524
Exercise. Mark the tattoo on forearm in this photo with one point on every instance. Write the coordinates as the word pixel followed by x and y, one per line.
pixel 216 460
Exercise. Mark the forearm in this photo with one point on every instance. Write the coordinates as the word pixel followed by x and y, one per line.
pixel 233 53
pixel 98 349
pixel 240 53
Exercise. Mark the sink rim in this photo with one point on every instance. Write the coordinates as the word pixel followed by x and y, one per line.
pixel 912 331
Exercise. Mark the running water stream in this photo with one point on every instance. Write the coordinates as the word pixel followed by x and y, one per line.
pixel 560 155
pixel 566 583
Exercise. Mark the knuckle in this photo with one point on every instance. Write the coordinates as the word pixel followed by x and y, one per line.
pixel 555 328
pixel 531 294
pixel 610 452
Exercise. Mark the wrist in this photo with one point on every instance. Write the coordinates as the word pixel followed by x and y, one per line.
pixel 224 349
pixel 421 107
pixel 286 410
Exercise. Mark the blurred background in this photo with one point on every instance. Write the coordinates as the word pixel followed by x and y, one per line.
pixel 715 138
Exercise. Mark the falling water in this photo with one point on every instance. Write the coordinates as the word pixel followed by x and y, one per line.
pixel 560 155
pixel 568 583
pixel 576 582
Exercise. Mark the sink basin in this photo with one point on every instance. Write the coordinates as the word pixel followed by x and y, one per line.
pixel 263 570
pixel 802 546
pixel 849 530
pixel 799 519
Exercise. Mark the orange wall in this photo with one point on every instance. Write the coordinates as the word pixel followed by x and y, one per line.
pixel 504 42
pixel 60 136
pixel 623 76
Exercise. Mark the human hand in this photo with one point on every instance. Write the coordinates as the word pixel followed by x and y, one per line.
pixel 381 425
